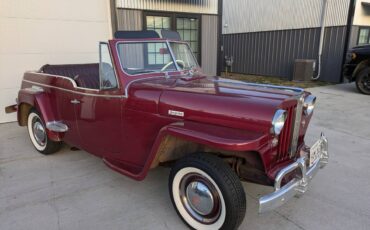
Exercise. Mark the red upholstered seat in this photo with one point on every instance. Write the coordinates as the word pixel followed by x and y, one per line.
pixel 85 75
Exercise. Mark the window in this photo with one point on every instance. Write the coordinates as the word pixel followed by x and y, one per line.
pixel 188 29
pixel 157 23
pixel 364 36
pixel 187 25
pixel 107 75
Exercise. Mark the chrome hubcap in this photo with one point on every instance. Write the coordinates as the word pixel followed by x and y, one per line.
pixel 200 198
pixel 39 132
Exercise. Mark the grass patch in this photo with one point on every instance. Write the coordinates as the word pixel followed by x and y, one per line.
pixel 273 80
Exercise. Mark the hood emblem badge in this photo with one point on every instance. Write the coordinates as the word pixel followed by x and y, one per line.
pixel 175 113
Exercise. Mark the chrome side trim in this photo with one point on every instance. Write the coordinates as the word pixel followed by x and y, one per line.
pixel 296 186
pixel 57 126
pixel 35 89
pixel 285 88
pixel 296 127
pixel 76 92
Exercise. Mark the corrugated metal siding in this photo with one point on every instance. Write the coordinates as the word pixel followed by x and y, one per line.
pixel 129 19
pixel 243 16
pixel 354 36
pixel 188 6
pixel 333 53
pixel 272 53
pixel 209 44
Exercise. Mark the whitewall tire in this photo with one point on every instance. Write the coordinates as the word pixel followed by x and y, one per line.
pixel 38 134
pixel 206 193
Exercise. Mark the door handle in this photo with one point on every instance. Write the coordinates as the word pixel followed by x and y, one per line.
pixel 75 101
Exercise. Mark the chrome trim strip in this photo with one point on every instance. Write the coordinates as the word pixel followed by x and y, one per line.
pixel 137 80
pixel 296 127
pixel 72 91
pixel 286 88
pixel 296 186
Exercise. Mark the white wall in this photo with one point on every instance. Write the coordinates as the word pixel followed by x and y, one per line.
pixel 36 32
pixel 362 14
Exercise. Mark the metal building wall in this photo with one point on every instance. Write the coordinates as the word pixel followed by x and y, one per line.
pixel 129 19
pixel 242 16
pixel 188 6
pixel 272 53
pixel 209 44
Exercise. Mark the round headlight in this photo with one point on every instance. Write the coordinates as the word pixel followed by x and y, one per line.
pixel 278 121
pixel 309 104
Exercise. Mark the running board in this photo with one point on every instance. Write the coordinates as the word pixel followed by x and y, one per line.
pixel 57 126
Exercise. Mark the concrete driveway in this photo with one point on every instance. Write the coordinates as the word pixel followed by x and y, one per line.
pixel 75 190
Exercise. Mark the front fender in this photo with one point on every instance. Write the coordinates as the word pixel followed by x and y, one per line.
pixel 218 137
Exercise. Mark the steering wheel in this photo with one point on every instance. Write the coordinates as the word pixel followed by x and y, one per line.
pixel 181 62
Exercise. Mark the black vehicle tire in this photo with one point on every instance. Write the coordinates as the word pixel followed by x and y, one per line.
pixel 37 132
pixel 363 81
pixel 223 202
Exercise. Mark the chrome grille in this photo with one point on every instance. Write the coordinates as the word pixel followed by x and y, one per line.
pixel 288 139
pixel 297 125
pixel 285 135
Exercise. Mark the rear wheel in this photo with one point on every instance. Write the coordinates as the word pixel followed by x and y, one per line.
pixel 206 193
pixel 38 134
pixel 363 81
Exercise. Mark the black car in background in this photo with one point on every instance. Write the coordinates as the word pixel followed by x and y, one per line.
pixel 357 68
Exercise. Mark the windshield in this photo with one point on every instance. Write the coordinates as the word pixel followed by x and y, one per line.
pixel 183 55
pixel 148 57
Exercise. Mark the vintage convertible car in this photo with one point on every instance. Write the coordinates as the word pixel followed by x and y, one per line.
pixel 148 104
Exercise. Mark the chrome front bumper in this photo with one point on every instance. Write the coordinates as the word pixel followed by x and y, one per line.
pixel 296 186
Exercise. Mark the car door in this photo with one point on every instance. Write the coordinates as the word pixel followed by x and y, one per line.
pixel 98 112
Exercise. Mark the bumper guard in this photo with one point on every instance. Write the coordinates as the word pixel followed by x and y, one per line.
pixel 296 186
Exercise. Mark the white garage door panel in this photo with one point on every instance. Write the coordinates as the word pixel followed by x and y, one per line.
pixel 7 97
pixel 84 10
pixel 45 36
pixel 37 32
pixel 12 67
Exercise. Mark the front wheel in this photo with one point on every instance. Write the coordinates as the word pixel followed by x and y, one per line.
pixel 206 193
pixel 363 81
pixel 38 134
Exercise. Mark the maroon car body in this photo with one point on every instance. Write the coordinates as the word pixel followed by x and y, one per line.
pixel 155 118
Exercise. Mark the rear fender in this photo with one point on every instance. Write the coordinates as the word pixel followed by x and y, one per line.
pixel 37 98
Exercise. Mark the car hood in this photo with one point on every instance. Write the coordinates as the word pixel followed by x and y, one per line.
pixel 218 101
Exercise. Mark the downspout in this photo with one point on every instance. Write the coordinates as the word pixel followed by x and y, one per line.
pixel 321 44
pixel 113 16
